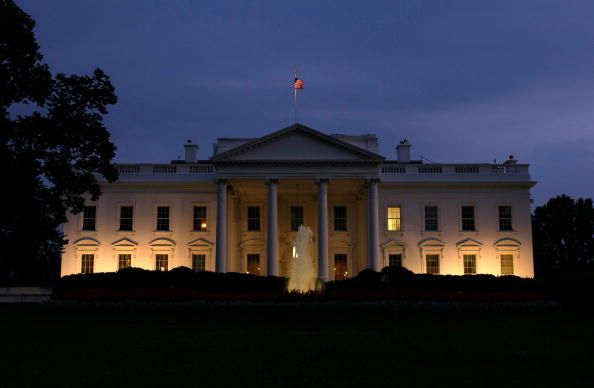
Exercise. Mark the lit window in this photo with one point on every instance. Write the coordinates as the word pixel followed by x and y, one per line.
pixel 161 262
pixel 394 219
pixel 87 263
pixel 431 220
pixel 253 264
pixel 340 218
pixel 89 218
pixel 126 217
pixel 507 264
pixel 124 260
pixel 199 263
pixel 200 223
pixel 468 218
pixel 432 262
pixel 395 260
pixel 253 218
pixel 163 218
pixel 340 267
pixel 296 217
pixel 469 264
pixel 505 218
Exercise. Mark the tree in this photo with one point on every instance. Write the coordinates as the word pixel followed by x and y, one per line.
pixel 49 158
pixel 563 234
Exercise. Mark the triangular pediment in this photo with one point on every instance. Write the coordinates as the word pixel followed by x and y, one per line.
pixel 124 242
pixel 200 242
pixel 468 242
pixel 297 143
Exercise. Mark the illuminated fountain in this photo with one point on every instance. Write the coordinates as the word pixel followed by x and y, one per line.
pixel 302 275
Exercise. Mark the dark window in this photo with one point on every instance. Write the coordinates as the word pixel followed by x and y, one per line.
pixel 87 263
pixel 124 260
pixel 126 217
pixel 89 217
pixel 296 217
pixel 340 267
pixel 340 218
pixel 253 218
pixel 469 264
pixel 505 218
pixel 253 264
pixel 162 217
pixel 199 263
pixel 200 218
pixel 432 264
pixel 395 260
pixel 161 262
pixel 431 220
pixel 507 264
pixel 468 218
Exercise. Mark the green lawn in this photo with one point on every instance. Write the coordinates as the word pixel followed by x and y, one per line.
pixel 325 344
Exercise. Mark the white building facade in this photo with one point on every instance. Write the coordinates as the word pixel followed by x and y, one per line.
pixel 239 211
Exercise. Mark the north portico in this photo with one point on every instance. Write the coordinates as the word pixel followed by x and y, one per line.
pixel 239 210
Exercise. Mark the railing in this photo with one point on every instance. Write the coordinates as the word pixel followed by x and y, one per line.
pixel 429 170
pixel 164 169
pixel 456 171
pixel 393 170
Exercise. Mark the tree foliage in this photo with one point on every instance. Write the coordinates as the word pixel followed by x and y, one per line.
pixel 563 231
pixel 50 157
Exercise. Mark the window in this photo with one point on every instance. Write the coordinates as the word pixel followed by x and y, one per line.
pixel 161 262
pixel 507 264
pixel 340 218
pixel 200 223
pixel 468 218
pixel 432 261
pixel 340 267
pixel 469 264
pixel 431 220
pixel 87 263
pixel 505 218
pixel 296 217
pixel 163 218
pixel 253 218
pixel 253 263
pixel 124 260
pixel 126 217
pixel 394 218
pixel 199 263
pixel 395 260
pixel 89 218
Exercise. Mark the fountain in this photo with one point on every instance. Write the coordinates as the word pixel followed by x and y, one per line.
pixel 302 275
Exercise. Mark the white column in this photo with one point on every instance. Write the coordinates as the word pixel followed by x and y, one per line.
pixel 221 257
pixel 272 253
pixel 323 229
pixel 373 222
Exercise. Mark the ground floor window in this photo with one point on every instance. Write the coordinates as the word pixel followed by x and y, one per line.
pixel 87 263
pixel 161 262
pixel 469 264
pixel 199 263
pixel 340 267
pixel 432 264
pixel 395 260
pixel 507 264
pixel 124 260
pixel 253 264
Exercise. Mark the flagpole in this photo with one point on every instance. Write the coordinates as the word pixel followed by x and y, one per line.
pixel 295 99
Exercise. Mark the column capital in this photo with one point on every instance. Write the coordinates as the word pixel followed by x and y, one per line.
pixel 221 180
pixel 272 180
pixel 322 180
pixel 373 180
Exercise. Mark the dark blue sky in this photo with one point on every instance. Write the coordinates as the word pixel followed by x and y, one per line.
pixel 464 81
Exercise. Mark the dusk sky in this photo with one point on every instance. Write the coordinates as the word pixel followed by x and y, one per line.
pixel 463 81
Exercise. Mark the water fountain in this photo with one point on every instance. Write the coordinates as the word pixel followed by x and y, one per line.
pixel 302 274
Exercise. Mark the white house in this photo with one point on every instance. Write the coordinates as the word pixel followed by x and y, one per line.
pixel 239 211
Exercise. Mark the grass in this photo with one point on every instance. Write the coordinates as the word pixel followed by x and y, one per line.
pixel 285 345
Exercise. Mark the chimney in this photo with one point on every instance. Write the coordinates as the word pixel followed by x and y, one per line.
pixel 403 151
pixel 191 152
pixel 511 160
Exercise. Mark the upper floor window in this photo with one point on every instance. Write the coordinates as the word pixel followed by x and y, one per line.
pixel 340 218
pixel 468 223
pixel 394 224
pixel 253 218
pixel 163 218
pixel 296 217
pixel 505 218
pixel 126 217
pixel 89 218
pixel 200 223
pixel 431 218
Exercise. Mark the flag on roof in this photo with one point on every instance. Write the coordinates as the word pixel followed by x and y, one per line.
pixel 298 83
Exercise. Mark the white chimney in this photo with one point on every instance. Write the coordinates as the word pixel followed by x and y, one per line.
pixel 191 152
pixel 403 151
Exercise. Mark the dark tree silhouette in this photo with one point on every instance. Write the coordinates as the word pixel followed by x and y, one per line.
pixel 49 157
pixel 563 234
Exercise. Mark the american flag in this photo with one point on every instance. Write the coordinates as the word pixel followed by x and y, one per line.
pixel 298 83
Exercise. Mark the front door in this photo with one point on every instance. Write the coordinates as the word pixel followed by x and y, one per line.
pixel 340 266
pixel 253 264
